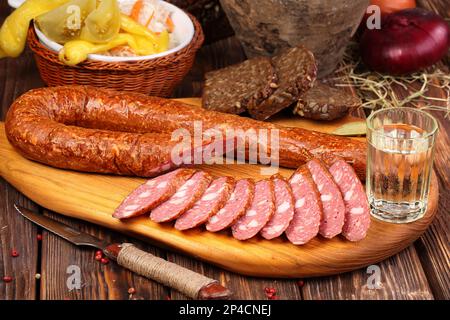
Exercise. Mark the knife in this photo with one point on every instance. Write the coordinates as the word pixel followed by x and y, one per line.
pixel 186 281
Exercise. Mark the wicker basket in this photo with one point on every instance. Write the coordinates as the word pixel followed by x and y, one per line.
pixel 157 77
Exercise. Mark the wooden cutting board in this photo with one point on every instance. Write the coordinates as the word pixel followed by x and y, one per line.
pixel 93 198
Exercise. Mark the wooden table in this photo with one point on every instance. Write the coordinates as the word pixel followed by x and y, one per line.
pixel 421 271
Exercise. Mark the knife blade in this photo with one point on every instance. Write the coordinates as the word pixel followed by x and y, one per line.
pixel 127 255
pixel 64 231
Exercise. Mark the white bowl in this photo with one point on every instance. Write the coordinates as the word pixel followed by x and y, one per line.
pixel 182 35
pixel 15 3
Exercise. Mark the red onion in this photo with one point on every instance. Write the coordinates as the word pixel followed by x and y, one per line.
pixel 409 40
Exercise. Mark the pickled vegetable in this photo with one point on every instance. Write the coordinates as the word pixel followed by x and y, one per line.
pixel 65 22
pixel 145 46
pixel 102 24
pixel 13 32
pixel 77 51
pixel 131 26
pixel 160 42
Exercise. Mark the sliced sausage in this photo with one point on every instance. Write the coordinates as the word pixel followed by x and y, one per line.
pixel 331 197
pixel 284 209
pixel 357 211
pixel 308 208
pixel 259 213
pixel 152 193
pixel 236 206
pixel 211 201
pixel 185 197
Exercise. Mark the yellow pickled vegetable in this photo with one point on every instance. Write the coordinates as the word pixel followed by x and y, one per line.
pixel 160 41
pixel 13 32
pixel 64 23
pixel 77 51
pixel 2 54
pixel 131 26
pixel 103 23
pixel 145 46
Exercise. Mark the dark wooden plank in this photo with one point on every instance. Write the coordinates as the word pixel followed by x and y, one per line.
pixel 15 232
pixel 401 277
pixel 243 287
pixel 433 246
pixel 98 281
pixel 433 249
pixel 21 235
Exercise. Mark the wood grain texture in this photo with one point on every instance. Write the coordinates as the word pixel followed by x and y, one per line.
pixel 16 233
pixel 401 277
pixel 433 246
pixel 94 197
pixel 98 281
pixel 21 236
pixel 243 288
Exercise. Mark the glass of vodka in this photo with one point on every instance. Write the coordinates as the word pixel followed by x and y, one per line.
pixel 399 163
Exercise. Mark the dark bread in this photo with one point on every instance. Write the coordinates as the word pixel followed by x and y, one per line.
pixel 296 69
pixel 323 102
pixel 235 88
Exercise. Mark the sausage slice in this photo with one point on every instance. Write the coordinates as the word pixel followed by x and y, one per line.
pixel 332 201
pixel 357 211
pixel 284 209
pixel 152 193
pixel 211 201
pixel 236 206
pixel 259 213
pixel 183 199
pixel 308 207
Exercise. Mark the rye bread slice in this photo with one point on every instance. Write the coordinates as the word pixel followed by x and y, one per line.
pixel 296 69
pixel 324 102
pixel 234 88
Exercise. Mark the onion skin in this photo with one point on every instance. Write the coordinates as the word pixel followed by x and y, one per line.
pixel 408 41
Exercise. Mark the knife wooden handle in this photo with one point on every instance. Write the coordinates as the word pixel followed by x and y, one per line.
pixel 186 281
